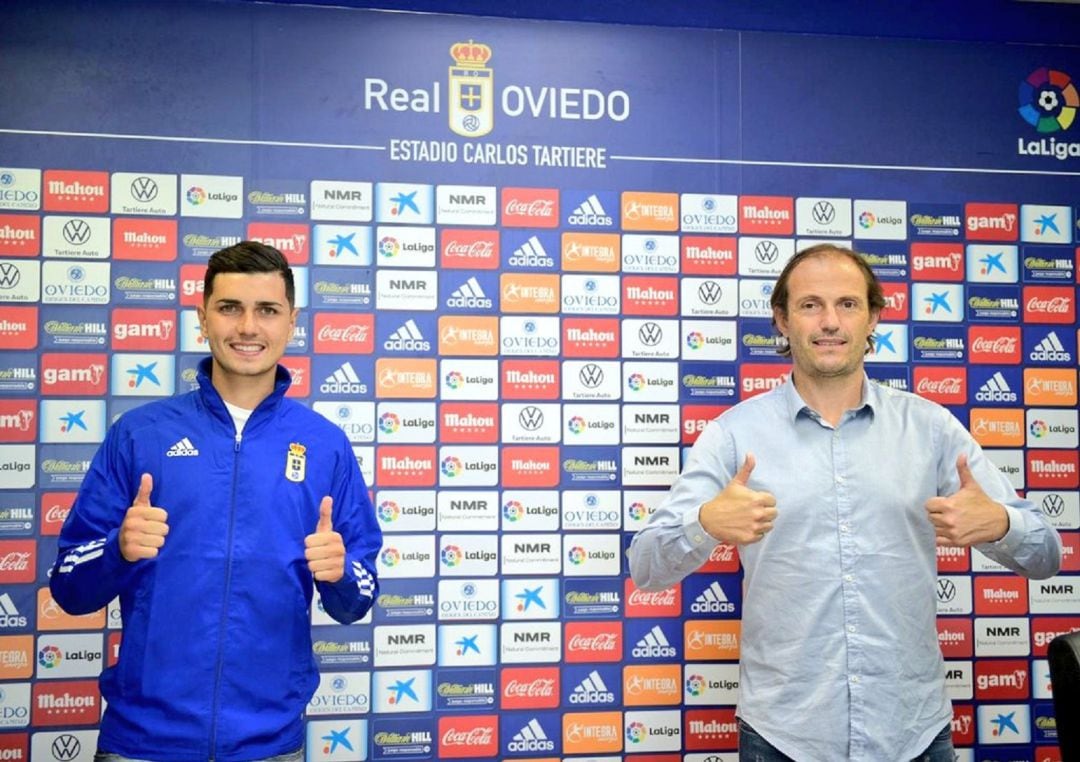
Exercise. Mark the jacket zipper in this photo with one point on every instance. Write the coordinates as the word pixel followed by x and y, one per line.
pixel 224 601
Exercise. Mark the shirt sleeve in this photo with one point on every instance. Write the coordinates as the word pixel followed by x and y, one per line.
pixel 1031 547
pixel 352 596
pixel 89 570
pixel 674 544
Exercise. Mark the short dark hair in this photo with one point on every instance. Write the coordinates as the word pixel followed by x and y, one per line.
pixel 249 257
pixel 779 298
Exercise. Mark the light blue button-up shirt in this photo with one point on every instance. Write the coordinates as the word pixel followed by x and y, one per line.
pixel 839 653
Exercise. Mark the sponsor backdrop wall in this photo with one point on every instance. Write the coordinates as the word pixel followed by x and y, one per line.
pixel 534 259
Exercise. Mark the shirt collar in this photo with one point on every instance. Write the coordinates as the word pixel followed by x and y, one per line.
pixel 871 398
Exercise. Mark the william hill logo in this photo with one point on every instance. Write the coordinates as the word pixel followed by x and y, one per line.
pixel 472 100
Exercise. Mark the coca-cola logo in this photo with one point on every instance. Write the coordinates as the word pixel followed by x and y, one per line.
pixel 1058 305
pixel 949 385
pixel 473 737
pixel 15 561
pixel 652 598
pixel 471 250
pixel 603 642
pixel 56 514
pixel 1002 345
pixel 541 687
pixel 538 208
pixel 354 332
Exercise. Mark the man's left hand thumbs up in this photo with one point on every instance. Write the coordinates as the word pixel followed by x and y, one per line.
pixel 967 517
pixel 324 549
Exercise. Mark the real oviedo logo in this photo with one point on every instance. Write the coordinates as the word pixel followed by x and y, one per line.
pixel 1048 102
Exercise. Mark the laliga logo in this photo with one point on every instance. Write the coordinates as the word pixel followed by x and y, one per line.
pixel 388 510
pixel 513 510
pixel 451 555
pixel 576 555
pixel 471 90
pixel 451 466
pixel 1048 100
pixel 695 685
pixel 389 423
pixel 390 557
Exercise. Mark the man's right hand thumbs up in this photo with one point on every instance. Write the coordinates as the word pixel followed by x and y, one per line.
pixel 144 527
pixel 739 514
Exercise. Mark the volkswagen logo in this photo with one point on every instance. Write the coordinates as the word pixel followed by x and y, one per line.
pixel 946 590
pixel 650 334
pixel 144 189
pixel 1053 505
pixel 66 747
pixel 591 375
pixel 710 292
pixel 767 252
pixel 9 275
pixel 824 212
pixel 531 418
pixel 76 232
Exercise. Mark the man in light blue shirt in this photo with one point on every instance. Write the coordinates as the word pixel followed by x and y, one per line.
pixel 837 491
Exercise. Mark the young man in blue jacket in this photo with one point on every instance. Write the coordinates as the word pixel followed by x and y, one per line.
pixel 212 515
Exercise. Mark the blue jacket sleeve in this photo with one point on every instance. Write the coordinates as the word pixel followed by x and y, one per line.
pixel 89 570
pixel 350 597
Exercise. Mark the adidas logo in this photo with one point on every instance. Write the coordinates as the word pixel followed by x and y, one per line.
pixel 531 738
pixel 343 381
pixel 9 613
pixel 654 645
pixel 470 295
pixel 712 600
pixel 590 212
pixel 531 254
pixel 182 449
pixel 407 338
pixel 592 690
pixel 996 389
pixel 1050 349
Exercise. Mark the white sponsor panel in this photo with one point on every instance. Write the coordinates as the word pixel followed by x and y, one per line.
pixel 992 263
pixel 138 375
pixel 709 297
pixel 67 656
pixel 467 555
pixel 591 294
pixel 653 254
pixel 1003 723
pixel 356 419
pixel 20 189
pixel 764 257
pixel 66 745
pixel 395 691
pixel 530 642
pixel 72 421
pixel 646 424
pixel 191 337
pixel 531 553
pixel 73 282
pixel 404 203
pixel 649 466
pixel 405 510
pixel 413 290
pixel 708 213
pixel 468 511
pixel 959 680
pixel 1046 224
pixel 468 599
pixel 405 246
pixel 1052 428
pixel 75 237
pixel 341 693
pixel 823 216
pixel 754 296
pixel 405 422
pixel 1056 595
pixel 880 220
pixel 14 705
pixel 407 557
pixel 1061 507
pixel 531 423
pixel 338 740
pixel 20 280
pixel 590 424
pixel 650 731
pixel 530 598
pixel 890 344
pixel 467 645
pixel 1002 636
pixel 709 340
pixel 466 205
pixel 953 594
pixel 592 555
pixel 710 684
pixel 468 380
pixel 650 381
pixel 468 466
pixel 1040 679
pixel 530 510
pixel 18 464
pixel 937 302
pixel 591 380
pixel 638 506
pixel 342 245
pixel 591 509
pixel 404 645
pixel 219 196
pixel 1011 464
pixel 529 336
pixel 341 200
pixel 143 193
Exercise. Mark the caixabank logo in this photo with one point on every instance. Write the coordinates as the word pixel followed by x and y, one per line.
pixel 1048 103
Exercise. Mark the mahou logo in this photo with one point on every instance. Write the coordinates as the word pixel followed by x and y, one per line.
pixel 341 333
pixel 652 603
pixel 530 379
pixel 994 345
pixel 529 467
pixel 1049 304
pixel 469 249
pixel 20 235
pixel 468 737
pixel 530 687
pixel 530 207
pixel 766 215
pixel 992 222
pixel 75 702
pixel 405 466
pixel 1053 469
pixel 18 327
pixel 144 239
pixel 955 638
pixel 67 191
pixel 590 337
pixel 946 386
pixel 593 641
pixel 709 255
pixel 17 561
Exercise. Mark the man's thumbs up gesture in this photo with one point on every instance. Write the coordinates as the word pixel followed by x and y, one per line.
pixel 739 514
pixel 324 549
pixel 968 516
pixel 144 527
